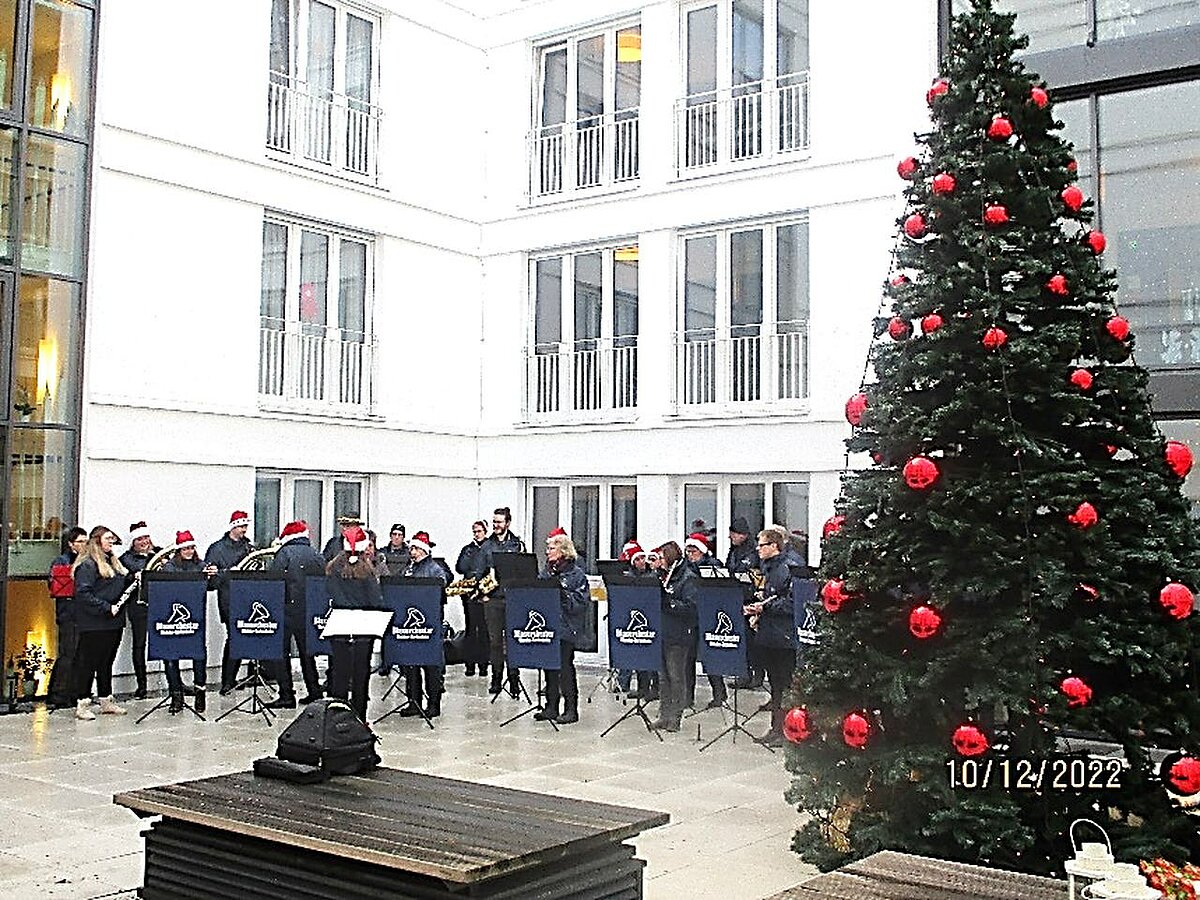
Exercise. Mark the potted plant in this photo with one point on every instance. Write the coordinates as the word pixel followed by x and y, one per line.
pixel 32 662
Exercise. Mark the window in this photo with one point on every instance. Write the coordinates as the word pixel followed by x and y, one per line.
pixel 41 475
pixel 591 299
pixel 745 83
pixel 1067 23
pixel 322 84
pixel 599 517
pixel 317 499
pixel 315 347
pixel 710 506
pixel 587 128
pixel 744 315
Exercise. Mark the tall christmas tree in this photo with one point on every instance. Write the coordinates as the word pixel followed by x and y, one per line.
pixel 1017 564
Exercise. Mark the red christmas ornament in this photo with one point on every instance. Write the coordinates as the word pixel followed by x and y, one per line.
pixel 1185 776
pixel 1082 379
pixel 994 338
pixel 796 727
pixel 834 595
pixel 899 328
pixel 1038 97
pixel 920 473
pixel 1177 600
pixel 1077 691
pixel 855 407
pixel 899 281
pixel 832 525
pixel 1001 129
pixel 995 214
pixel 1073 198
pixel 907 167
pixel 924 622
pixel 1118 327
pixel 1179 458
pixel 855 730
pixel 1087 593
pixel 968 740
pixel 939 88
pixel 1097 241
pixel 1085 516
pixel 944 183
pixel 914 226
pixel 1110 449
pixel 931 323
pixel 1057 284
pixel 1072 166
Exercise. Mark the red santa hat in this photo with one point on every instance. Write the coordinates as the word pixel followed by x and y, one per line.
pixel 137 530
pixel 184 539
pixel 697 540
pixel 239 519
pixel 631 549
pixel 293 530
pixel 559 531
pixel 354 540
pixel 421 539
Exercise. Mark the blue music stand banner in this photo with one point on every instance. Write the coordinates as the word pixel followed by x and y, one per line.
pixel 414 638
pixel 722 641
pixel 176 615
pixel 804 611
pixel 532 617
pixel 635 626
pixel 317 604
pixel 256 615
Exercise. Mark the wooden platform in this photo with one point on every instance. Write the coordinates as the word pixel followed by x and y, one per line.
pixel 902 876
pixel 388 833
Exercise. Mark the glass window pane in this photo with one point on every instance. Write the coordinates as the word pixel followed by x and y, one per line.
pixel 791 276
pixel 274 274
pixel 700 288
pixel 314 277
pixel 60 67
pixel 554 86
pixel 585 524
pixel 1150 152
pixel 306 505
pixel 1050 24
pixel 747 41
pixel 699 509
pixel 545 516
pixel 589 85
pixel 625 296
pixel 702 51
pixel 749 502
pixel 1076 116
pixel 41 468
pixel 629 68
pixel 7 157
pixel 1120 18
pixel 281 37
pixel 1187 431
pixel 588 267
pixel 52 235
pixel 746 282
pixel 266 511
pixel 352 295
pixel 792 37
pixel 8 30
pixel 359 48
pixel 789 505
pixel 347 499
pixel 624 517
pixel 46 356
pixel 548 303
pixel 321 42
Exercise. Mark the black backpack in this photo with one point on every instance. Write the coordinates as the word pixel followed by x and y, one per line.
pixel 327 738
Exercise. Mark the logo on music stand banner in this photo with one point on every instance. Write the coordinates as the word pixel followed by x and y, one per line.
pixel 723 636
pixel 258 621
pixel 413 628
pixel 317 603
pixel 256 612
pixel 722 649
pixel 175 615
pixel 638 631
pixel 804 611
pixel 531 617
pixel 415 636
pixel 178 624
pixel 536 631
pixel 635 626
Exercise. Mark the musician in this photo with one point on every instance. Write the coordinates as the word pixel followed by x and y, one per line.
pixel 501 540
pixel 296 559
pixel 352 584
pixel 423 565
pixel 771 614
pixel 696 549
pixel 185 559
pixel 100 618
pixel 573 594
pixel 470 565
pixel 140 552
pixel 394 553
pixel 647 688
pixel 61 690
pixel 679 627
pixel 221 556
pixel 333 546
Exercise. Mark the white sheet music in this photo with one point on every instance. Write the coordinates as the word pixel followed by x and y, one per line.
pixel 356 623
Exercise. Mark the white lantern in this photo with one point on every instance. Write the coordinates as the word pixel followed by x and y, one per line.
pixel 1093 861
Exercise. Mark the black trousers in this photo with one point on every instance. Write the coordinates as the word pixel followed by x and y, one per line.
pixel 175 680
pixel 229 666
pixel 61 689
pixel 780 663
pixel 435 680
pixel 138 614
pixel 350 671
pixel 493 614
pixel 673 681
pixel 281 669
pixel 94 658
pixel 563 683
pixel 715 682
pixel 478 650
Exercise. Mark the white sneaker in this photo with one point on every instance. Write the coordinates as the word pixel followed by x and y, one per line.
pixel 108 707
pixel 83 711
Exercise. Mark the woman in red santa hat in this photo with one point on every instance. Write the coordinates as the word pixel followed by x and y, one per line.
pixel 185 559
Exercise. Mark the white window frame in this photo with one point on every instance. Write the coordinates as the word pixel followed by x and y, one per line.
pixel 287 495
pixel 536 543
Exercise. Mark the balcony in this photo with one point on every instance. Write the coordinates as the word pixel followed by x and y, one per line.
pixel 316 367
pixel 584 155
pixel 768 365
pixel 577 380
pixel 766 121
pixel 320 129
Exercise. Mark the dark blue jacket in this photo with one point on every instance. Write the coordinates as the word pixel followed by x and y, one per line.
pixel 354 593
pixel 573 597
pixel 743 557
pixel 775 625
pixel 472 560
pixel 679 605
pixel 178 564
pixel 426 568
pixel 94 598
pixel 297 560
pixel 493 545
pixel 396 559
pixel 225 554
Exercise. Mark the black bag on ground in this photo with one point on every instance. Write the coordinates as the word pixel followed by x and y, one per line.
pixel 454 645
pixel 329 736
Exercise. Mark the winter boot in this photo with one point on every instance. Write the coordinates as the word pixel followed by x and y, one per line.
pixel 570 713
pixel 176 706
pixel 83 709
pixel 108 707
pixel 200 699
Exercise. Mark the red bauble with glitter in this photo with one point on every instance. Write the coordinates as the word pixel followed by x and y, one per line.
pixel 1072 197
pixel 920 473
pixel 900 281
pixel 1057 284
pixel 832 525
pixel 899 328
pixel 994 338
pixel 1082 379
pixel 907 167
pixel 944 183
pixel 1177 600
pixel 1077 691
pixel 1086 593
pixel 1000 128
pixel 834 595
pixel 995 214
pixel 939 88
pixel 855 407
pixel 1179 458
pixel 931 323
pixel 1038 97
pixel 1072 166
pixel 855 730
pixel 1185 776
pixel 924 622
pixel 796 726
pixel 915 226
pixel 969 740
pixel 1085 516
pixel 1118 327
pixel 1097 241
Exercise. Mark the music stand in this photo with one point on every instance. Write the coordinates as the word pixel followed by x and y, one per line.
pixel 514 569
pixel 532 641
pixel 409 638
pixel 176 617
pixel 634 637
pixel 259 597
pixel 356 624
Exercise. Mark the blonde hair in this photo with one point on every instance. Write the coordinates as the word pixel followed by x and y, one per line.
pixel 564 544
pixel 777 535
pixel 109 566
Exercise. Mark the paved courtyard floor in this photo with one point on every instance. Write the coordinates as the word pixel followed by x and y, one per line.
pixel 729 834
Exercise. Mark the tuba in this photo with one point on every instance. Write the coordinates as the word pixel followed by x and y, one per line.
pixel 156 562
pixel 256 560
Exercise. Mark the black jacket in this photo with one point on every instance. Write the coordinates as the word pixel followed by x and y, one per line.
pixel 775 625
pixel 472 561
pixel 743 557
pixel 354 593
pixel 178 564
pixel 679 605
pixel 395 559
pixel 426 568
pixel 493 546
pixel 573 598
pixel 94 598
pixel 225 554
pixel 297 560
pixel 135 562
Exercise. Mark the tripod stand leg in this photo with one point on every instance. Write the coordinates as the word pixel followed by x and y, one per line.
pixel 533 707
pixel 159 705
